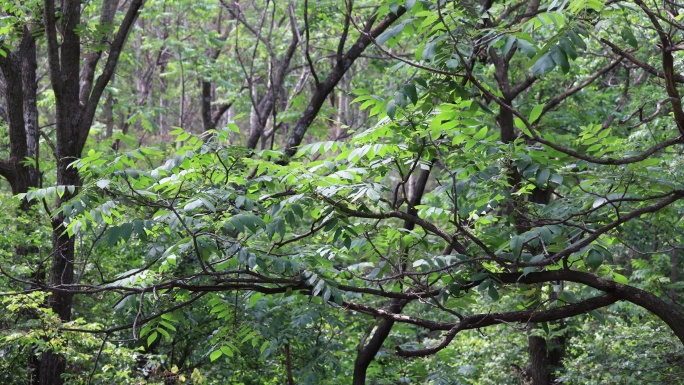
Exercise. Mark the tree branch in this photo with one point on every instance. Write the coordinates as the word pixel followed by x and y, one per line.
pixel 108 71
pixel 328 85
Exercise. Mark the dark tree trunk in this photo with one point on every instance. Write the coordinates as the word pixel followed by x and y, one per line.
pixel 51 369
pixel 30 89
pixel 77 94
pixel 108 115
pixel 673 277
pixel 207 119
pixel 14 168
pixel 538 368
pixel 64 74
pixel 366 353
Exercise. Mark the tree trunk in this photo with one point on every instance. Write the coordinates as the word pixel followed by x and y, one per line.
pixel 367 352
pixel 30 108
pixel 77 95
pixel 673 277
pixel 14 168
pixel 108 115
pixel 538 368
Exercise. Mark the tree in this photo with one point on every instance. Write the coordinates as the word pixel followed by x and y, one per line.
pixel 77 93
pixel 522 175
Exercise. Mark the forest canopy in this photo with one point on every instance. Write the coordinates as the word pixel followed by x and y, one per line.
pixel 341 192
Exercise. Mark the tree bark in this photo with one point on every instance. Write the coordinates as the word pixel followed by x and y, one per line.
pixel 663 310
pixel 673 276
pixel 327 86
pixel 77 94
pixel 366 353
pixel 14 168
pixel 538 367
pixel 30 89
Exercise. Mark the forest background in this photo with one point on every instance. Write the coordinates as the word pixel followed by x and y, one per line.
pixel 356 192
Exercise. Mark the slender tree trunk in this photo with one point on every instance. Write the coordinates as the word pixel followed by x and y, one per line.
pixel 288 365
pixel 538 367
pixel 65 80
pixel 108 115
pixel 673 276
pixel 30 88
pixel 327 86
pixel 366 353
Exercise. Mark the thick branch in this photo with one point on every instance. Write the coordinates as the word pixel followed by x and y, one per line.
pixel 669 314
pixel 479 321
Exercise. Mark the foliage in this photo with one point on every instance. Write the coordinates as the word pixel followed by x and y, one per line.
pixel 503 174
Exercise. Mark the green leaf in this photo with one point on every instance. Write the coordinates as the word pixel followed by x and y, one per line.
pixel 557 179
pixel 481 134
pixel 252 222
pixel 516 245
pixel 576 39
pixel 598 316
pixel 493 293
pixel 528 49
pixel 559 57
pixel 254 299
pixel 594 259
pixel 619 278
pixel 152 337
pixel 392 32
pixel 114 236
pixel 372 194
pixel 411 93
pixel 508 44
pixel 628 36
pixel 400 99
pixel 165 333
pixel 429 51
pixel 391 109
pixel 227 351
pixel 536 113
pixel 543 65
pixel 568 296
pixel 208 204
pixel 568 47
pixel 215 355
pixel 330 225
pixel 542 176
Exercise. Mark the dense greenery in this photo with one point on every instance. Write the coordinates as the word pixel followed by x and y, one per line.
pixel 358 192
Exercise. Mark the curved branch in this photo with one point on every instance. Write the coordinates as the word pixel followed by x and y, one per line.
pixel 669 314
pixel 478 321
